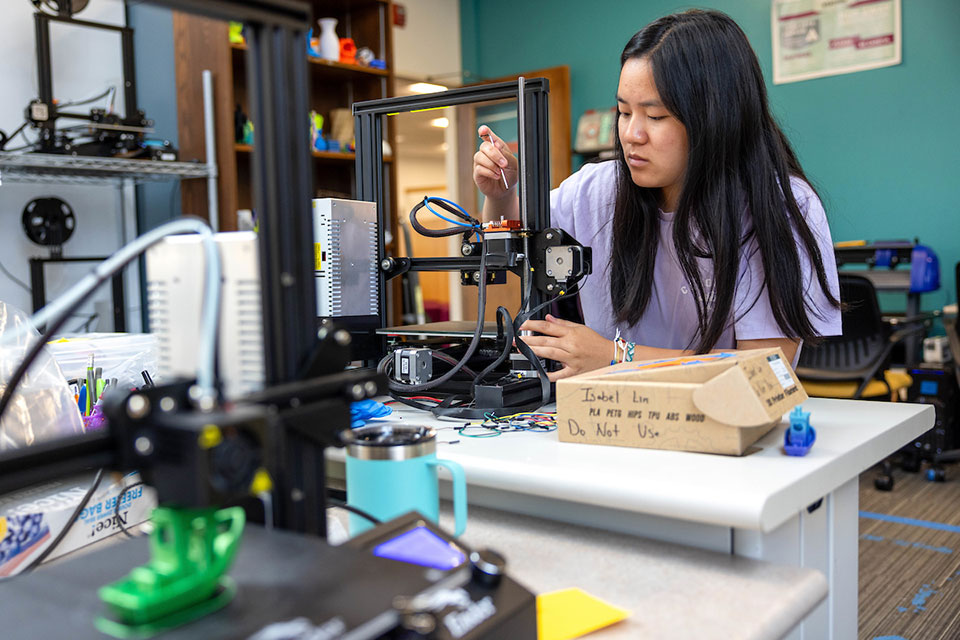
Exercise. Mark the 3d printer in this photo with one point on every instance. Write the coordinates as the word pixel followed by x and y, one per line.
pixel 202 453
pixel 446 359
pixel 103 132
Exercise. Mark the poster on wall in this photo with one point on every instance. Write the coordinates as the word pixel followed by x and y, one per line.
pixel 817 38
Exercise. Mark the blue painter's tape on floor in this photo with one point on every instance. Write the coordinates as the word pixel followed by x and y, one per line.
pixel 920 598
pixel 927 524
pixel 907 543
pixel 920 545
pixel 889 638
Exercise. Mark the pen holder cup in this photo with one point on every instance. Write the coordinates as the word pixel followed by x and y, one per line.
pixel 392 469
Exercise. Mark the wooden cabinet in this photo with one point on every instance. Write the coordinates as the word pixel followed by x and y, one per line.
pixel 201 44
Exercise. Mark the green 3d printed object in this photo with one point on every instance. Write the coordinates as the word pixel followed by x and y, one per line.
pixel 190 551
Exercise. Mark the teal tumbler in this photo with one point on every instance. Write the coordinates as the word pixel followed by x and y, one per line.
pixel 392 469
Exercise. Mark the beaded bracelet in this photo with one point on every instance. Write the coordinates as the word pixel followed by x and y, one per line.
pixel 622 349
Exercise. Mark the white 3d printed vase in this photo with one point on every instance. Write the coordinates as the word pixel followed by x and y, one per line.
pixel 329 42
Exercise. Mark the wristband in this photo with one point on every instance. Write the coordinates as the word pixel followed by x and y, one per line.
pixel 622 349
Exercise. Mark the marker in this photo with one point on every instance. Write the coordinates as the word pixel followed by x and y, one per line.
pixel 82 400
pixel 502 174
pixel 91 386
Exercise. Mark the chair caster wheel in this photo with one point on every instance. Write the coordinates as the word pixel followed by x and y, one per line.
pixel 883 483
pixel 911 464
pixel 936 474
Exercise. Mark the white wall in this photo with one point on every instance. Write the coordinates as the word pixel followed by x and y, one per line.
pixel 85 62
pixel 429 44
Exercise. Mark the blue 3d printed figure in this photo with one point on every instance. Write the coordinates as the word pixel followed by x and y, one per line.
pixel 800 436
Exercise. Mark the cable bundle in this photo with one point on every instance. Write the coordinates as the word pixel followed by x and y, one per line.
pixel 461 406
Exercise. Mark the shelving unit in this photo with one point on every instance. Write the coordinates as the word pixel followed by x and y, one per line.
pixel 344 156
pixel 124 174
pixel 64 169
pixel 333 85
pixel 333 66
pixel 203 44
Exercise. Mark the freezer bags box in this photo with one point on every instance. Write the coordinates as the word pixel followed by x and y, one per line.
pixel 714 403
pixel 31 519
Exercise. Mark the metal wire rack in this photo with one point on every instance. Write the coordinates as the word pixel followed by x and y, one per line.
pixel 64 169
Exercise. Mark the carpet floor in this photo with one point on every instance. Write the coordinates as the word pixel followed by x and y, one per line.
pixel 910 558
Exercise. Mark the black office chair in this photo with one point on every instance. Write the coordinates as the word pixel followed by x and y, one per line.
pixel 855 365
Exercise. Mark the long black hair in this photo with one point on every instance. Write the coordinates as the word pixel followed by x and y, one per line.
pixel 739 160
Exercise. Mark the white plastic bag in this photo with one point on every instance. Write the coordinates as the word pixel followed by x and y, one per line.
pixel 42 407
pixel 119 355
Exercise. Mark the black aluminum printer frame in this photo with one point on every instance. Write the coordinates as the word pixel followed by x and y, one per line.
pixel 44 65
pixel 533 124
pixel 282 181
pixel 278 88
pixel 278 81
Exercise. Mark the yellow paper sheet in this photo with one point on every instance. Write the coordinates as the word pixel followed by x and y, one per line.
pixel 571 613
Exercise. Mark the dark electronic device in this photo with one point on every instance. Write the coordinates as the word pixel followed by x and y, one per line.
pixel 936 385
pixel 473 379
pixel 103 134
pixel 489 605
pixel 207 458
pixel 297 583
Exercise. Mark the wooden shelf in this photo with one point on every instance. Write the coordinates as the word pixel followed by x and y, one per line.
pixel 336 156
pixel 320 63
pixel 331 89
pixel 354 68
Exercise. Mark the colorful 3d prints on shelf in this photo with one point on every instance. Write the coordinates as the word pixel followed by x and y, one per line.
pixel 344 50
pixel 242 127
pixel 322 47
pixel 317 143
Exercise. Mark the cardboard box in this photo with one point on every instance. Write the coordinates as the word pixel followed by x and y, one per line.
pixel 31 519
pixel 714 403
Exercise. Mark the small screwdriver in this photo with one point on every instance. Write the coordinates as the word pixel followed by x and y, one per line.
pixel 502 174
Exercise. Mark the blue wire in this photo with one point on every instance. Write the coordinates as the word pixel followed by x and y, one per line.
pixel 453 204
pixel 459 224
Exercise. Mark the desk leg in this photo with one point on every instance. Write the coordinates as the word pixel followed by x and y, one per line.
pixel 845 560
pixel 825 539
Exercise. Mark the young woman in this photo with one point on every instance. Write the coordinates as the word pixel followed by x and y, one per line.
pixel 698 244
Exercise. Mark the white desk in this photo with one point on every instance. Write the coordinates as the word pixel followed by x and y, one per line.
pixel 672 591
pixel 753 506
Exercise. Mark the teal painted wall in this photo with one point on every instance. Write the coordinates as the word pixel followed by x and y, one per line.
pixel 882 146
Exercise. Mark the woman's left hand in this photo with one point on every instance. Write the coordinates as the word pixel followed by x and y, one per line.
pixel 573 345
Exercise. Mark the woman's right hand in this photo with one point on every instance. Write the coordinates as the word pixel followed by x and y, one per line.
pixel 490 161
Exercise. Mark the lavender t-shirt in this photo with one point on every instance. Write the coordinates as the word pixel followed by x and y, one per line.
pixel 583 206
